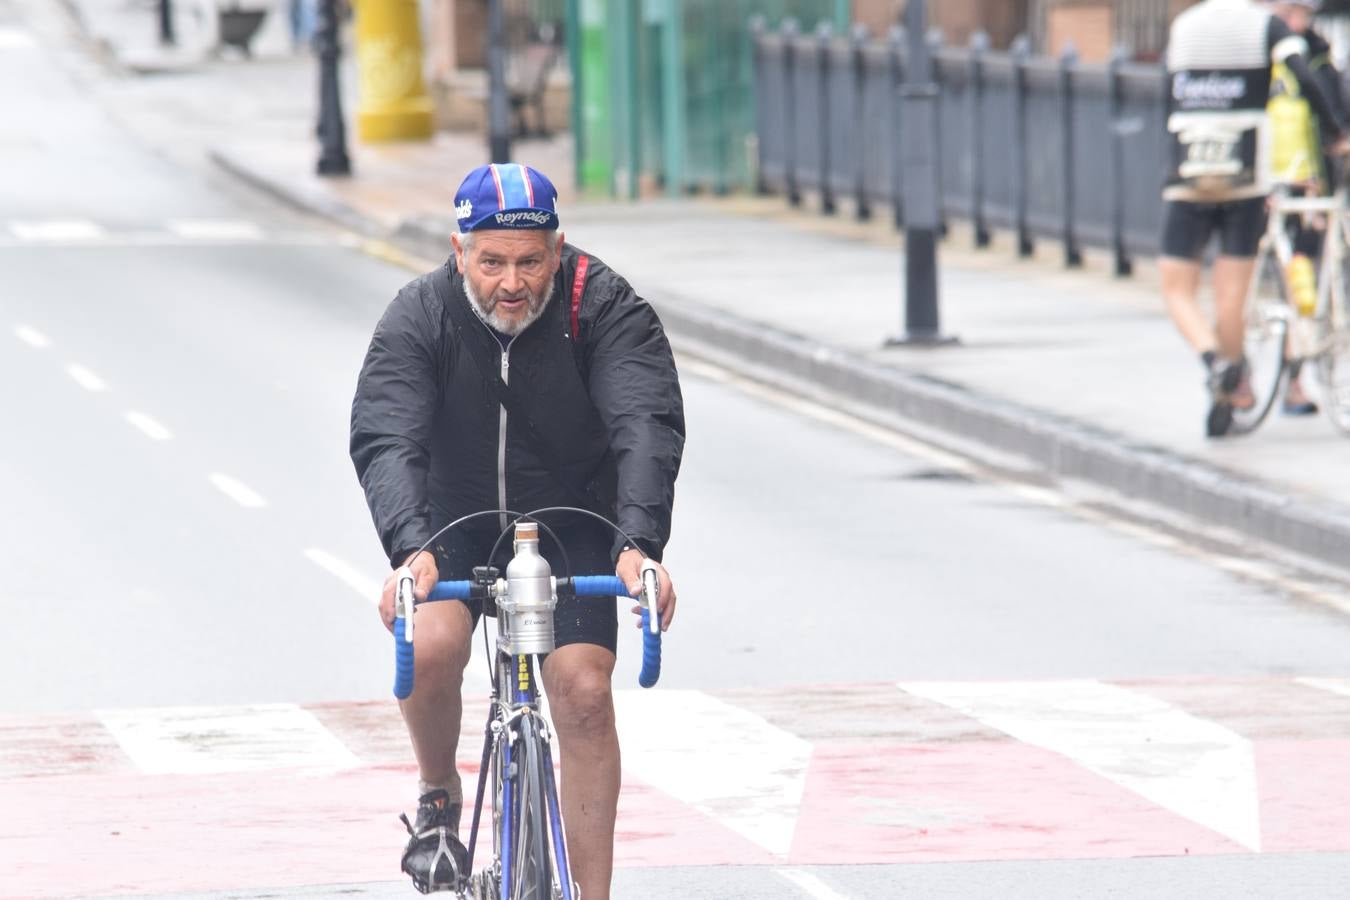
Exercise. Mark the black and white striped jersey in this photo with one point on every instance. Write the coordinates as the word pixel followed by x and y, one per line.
pixel 1219 58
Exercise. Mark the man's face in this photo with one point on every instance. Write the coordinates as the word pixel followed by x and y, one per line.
pixel 508 275
pixel 1297 16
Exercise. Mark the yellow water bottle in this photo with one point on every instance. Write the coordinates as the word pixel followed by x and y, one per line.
pixel 1302 284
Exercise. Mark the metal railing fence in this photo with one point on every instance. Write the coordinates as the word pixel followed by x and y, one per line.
pixel 1049 148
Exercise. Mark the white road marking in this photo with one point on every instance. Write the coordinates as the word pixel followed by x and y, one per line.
pixel 16 39
pixel 722 759
pixel 1196 768
pixel 31 336
pixel 152 429
pixel 237 491
pixel 85 378
pixel 55 230
pixel 1335 685
pixel 202 740
pixel 1268 574
pixel 216 229
pixel 811 884
pixel 348 574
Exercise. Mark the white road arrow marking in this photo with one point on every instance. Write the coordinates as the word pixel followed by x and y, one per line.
pixel 725 761
pixel 1335 685
pixel 1192 766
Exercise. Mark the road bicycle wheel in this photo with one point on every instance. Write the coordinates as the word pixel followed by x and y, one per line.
pixel 1265 341
pixel 531 874
pixel 1333 348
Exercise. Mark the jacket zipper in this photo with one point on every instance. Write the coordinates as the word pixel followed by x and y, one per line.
pixel 501 436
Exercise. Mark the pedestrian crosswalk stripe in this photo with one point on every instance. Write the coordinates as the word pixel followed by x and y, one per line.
pixel 1192 766
pixel 721 759
pixel 208 740
pixel 216 229
pixel 56 230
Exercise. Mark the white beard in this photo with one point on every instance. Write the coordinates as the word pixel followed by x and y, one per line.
pixel 512 327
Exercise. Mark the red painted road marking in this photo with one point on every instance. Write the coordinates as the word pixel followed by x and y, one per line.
pixel 891 777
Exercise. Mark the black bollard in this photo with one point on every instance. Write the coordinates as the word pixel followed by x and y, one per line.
pixel 499 125
pixel 166 34
pixel 919 182
pixel 333 159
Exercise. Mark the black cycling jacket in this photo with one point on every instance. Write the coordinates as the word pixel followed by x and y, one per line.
pixel 431 443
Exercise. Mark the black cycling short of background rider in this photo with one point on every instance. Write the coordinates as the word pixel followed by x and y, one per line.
pixel 1188 226
pixel 577 620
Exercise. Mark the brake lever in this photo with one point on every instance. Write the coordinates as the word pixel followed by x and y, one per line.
pixel 651 591
pixel 404 601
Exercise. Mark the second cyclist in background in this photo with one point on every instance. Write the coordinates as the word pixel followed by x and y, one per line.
pixel 1300 162
pixel 1220 58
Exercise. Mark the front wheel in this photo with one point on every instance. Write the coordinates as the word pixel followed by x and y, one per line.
pixel 1265 341
pixel 529 875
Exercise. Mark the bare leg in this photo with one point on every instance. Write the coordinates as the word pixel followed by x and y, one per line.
pixel 1181 289
pixel 441 641
pixel 577 679
pixel 1232 277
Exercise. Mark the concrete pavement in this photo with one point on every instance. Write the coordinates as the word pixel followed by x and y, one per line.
pixel 1070 376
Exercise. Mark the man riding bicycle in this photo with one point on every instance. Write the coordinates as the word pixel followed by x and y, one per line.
pixel 522 374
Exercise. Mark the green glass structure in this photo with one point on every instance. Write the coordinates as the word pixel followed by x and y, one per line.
pixel 662 89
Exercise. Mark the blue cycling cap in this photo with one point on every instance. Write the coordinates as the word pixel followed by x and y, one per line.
pixel 506 195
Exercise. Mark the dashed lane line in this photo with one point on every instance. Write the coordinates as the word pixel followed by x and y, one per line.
pixel 348 574
pixel 32 337
pixel 216 229
pixel 55 230
pixel 86 379
pixel 237 491
pixel 148 426
pixel 16 39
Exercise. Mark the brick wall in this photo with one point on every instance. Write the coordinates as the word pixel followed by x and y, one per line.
pixel 1089 27
pixel 958 19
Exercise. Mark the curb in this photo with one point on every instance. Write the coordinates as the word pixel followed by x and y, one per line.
pixel 1055 446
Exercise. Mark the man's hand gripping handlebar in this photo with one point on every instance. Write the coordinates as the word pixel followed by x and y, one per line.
pixel 649 609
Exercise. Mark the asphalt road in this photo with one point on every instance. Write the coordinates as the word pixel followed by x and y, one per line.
pixel 181 524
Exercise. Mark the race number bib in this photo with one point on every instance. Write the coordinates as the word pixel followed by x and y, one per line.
pixel 1214 157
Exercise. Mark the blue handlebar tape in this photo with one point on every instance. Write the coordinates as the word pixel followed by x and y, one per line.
pixel 403 662
pixel 651 653
pixel 451 590
pixel 599 586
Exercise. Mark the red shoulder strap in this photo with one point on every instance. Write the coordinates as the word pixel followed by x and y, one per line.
pixel 578 287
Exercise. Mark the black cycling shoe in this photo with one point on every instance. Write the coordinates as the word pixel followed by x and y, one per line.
pixel 1224 378
pixel 435 858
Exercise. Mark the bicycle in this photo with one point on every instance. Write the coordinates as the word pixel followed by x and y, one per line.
pixel 529 860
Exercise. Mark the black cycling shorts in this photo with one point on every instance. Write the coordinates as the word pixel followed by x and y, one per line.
pixel 577 620
pixel 1187 227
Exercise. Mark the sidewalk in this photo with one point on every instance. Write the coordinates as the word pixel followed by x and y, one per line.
pixel 1070 374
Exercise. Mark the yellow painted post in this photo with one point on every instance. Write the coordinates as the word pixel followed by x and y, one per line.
pixel 394 105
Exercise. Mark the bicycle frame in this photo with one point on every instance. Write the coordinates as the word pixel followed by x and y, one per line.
pixel 517 744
